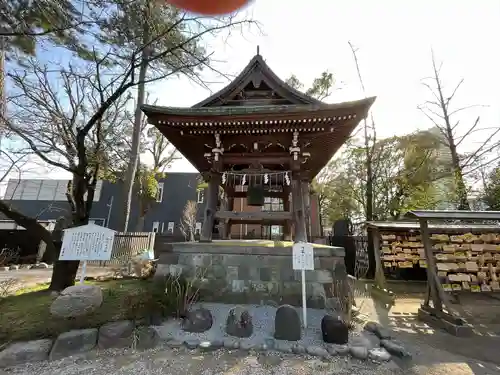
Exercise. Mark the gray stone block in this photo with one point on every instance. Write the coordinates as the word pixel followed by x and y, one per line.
pixel 174 343
pixel 338 349
pixel 287 274
pixel 231 343
pixel 379 355
pixel 238 286
pixel 231 273
pixel 273 288
pixel 265 274
pixel 218 271
pixel 359 352
pixel 208 261
pixel 378 330
pixel 327 263
pixel 168 258
pixel 284 346
pixel 248 345
pixel 244 272
pixel 275 275
pixel 207 345
pixel 232 260
pixel 395 348
pixel 145 338
pixel 192 343
pixel 366 339
pixel 258 287
pixel 298 349
pixel 25 352
pixel 317 351
pixel 116 335
pixel 74 342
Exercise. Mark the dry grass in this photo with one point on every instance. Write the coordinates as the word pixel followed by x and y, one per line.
pixel 26 315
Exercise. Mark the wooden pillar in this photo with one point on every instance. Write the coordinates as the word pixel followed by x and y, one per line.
pixel 214 180
pixel 307 207
pixel 298 211
pixel 227 205
pixel 287 230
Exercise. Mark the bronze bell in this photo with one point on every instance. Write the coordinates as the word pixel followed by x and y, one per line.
pixel 255 195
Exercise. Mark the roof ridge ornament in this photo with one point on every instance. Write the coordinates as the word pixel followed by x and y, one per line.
pixel 258 50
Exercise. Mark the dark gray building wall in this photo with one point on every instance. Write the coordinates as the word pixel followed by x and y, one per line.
pixel 178 189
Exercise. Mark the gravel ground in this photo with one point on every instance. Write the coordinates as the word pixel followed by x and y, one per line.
pixel 184 362
pixel 263 325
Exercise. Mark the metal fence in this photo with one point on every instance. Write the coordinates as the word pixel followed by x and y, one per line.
pixel 126 246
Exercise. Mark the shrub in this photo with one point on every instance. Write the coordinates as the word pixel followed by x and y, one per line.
pixel 170 297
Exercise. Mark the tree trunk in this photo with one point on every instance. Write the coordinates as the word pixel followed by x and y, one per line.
pixel 140 223
pixel 369 202
pixel 136 137
pixel 463 202
pixel 31 226
pixel 64 272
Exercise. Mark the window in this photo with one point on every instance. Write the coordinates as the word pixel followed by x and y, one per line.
pixel 197 228
pixel 201 196
pixel 159 192
pixel 170 227
pixel 273 204
pixel 156 226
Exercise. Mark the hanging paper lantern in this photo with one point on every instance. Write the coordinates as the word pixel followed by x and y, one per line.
pixel 209 7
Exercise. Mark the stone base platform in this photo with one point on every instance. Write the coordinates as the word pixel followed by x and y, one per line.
pixel 250 271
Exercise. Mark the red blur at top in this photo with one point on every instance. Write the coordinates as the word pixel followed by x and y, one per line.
pixel 209 7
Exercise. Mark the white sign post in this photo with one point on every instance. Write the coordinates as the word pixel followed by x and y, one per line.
pixel 303 259
pixel 87 242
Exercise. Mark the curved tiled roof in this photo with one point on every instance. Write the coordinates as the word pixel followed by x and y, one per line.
pixel 257 68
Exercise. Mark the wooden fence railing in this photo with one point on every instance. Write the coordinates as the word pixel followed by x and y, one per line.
pixel 126 246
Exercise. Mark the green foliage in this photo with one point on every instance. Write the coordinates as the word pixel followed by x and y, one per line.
pixel 410 172
pixel 62 22
pixel 294 82
pixel 321 87
pixel 155 28
pixel 491 194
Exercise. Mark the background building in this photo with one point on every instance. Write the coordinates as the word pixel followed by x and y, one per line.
pixel 46 200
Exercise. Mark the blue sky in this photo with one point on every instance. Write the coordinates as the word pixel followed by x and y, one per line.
pixel 394 39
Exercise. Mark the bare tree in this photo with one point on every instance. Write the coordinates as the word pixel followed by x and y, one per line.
pixel 68 117
pixel 440 112
pixel 188 221
pixel 164 42
pixel 370 141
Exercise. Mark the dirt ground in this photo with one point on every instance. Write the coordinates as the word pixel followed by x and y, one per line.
pixel 28 278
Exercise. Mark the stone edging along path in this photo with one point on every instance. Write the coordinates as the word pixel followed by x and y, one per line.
pixel 374 343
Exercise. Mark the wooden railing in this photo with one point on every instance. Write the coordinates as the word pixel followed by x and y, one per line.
pixel 126 246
